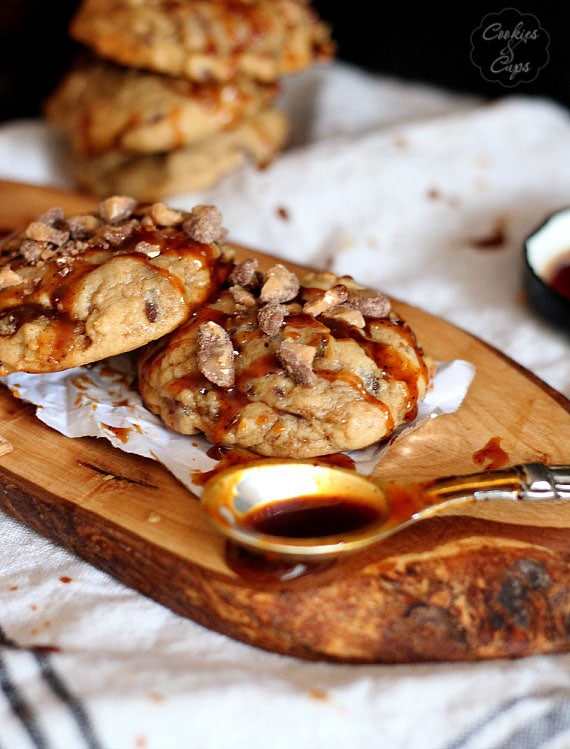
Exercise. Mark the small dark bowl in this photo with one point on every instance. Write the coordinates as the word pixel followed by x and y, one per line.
pixel 544 248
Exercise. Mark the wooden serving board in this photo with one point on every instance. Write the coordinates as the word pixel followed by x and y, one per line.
pixel 451 588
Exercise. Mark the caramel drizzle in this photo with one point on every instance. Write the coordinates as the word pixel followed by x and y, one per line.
pixel 20 306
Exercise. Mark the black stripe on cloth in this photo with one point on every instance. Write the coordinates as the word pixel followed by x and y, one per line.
pixel 23 711
pixel 20 707
pixel 76 708
pixel 532 733
pixel 542 729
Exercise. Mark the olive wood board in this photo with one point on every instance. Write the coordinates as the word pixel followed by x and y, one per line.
pixel 450 588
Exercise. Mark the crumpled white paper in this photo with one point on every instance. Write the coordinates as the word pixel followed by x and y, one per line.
pixel 101 401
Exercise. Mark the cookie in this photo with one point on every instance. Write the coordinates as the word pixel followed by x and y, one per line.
pixel 287 367
pixel 100 106
pixel 205 39
pixel 196 167
pixel 77 289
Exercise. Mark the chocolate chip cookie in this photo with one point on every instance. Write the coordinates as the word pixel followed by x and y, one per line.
pixel 77 289
pixel 101 107
pixel 156 176
pixel 287 366
pixel 205 39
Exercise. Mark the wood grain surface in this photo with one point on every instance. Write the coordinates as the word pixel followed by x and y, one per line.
pixel 450 588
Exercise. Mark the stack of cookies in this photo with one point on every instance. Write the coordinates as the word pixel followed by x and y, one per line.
pixel 173 94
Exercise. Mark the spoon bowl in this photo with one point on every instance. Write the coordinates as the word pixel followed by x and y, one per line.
pixel 295 509
pixel 307 510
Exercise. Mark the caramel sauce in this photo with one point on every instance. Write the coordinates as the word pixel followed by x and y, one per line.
pixel 122 433
pixel 559 276
pixel 356 384
pixel 265 365
pixel 405 501
pixel 226 457
pixel 491 456
pixel 312 517
pixel 340 460
pixel 45 648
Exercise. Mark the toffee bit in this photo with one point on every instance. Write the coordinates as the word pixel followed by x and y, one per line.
pixel 327 300
pixel 216 354
pixel 370 303
pixel 349 282
pixel 31 250
pixel 164 216
pixel 270 318
pixel 8 278
pixel 205 224
pixel 8 324
pixel 41 232
pixel 345 313
pixel 147 222
pixel 47 253
pixel 151 310
pixel 82 226
pixel 116 235
pixel 319 280
pixel 242 296
pixel 297 360
pixel 281 285
pixel 246 273
pixel 117 208
pixel 293 308
pixel 52 217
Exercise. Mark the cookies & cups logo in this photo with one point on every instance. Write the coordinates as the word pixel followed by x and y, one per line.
pixel 509 47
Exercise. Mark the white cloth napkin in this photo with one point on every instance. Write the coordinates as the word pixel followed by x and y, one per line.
pixel 404 187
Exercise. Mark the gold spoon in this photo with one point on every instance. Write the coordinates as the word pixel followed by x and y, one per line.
pixel 307 510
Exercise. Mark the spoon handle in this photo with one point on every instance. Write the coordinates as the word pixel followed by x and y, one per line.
pixel 527 482
pixel 543 482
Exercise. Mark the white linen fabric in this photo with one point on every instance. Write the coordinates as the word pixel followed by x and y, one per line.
pixel 427 196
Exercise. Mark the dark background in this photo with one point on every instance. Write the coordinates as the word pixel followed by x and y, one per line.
pixel 422 43
pixel 431 43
